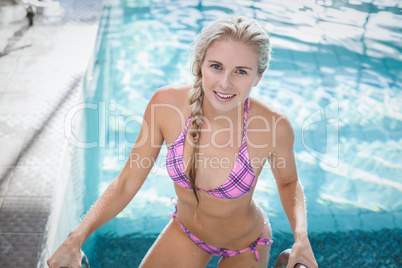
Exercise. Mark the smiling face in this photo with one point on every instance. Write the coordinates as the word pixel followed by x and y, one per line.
pixel 229 71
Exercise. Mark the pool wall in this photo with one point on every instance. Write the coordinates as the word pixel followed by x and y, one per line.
pixel 70 194
pixel 68 203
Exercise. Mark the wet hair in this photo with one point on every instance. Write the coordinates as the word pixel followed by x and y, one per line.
pixel 236 28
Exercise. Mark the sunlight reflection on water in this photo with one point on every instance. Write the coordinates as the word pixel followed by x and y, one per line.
pixel 346 52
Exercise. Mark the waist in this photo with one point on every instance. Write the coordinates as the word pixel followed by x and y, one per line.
pixel 223 225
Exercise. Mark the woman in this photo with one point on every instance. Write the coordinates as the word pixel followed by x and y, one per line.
pixel 214 158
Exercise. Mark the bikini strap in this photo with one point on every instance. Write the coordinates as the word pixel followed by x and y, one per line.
pixel 174 201
pixel 183 133
pixel 261 240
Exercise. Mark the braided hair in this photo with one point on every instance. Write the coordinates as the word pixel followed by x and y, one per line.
pixel 237 28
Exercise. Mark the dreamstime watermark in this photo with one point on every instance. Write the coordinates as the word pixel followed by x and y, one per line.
pixel 110 131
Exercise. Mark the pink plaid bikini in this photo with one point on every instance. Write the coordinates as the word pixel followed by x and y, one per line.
pixel 239 183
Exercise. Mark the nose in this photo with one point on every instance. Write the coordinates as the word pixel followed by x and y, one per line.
pixel 225 81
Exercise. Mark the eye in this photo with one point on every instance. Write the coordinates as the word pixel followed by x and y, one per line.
pixel 216 66
pixel 241 71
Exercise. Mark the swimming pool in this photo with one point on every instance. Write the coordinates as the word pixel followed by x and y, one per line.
pixel 336 73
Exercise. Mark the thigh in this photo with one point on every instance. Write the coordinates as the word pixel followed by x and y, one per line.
pixel 247 259
pixel 173 248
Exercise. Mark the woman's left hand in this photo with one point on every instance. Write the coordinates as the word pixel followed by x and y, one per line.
pixel 302 253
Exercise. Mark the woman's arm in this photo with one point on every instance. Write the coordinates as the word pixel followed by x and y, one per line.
pixel 118 194
pixel 290 190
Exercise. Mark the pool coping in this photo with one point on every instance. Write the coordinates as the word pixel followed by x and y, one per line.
pixel 40 81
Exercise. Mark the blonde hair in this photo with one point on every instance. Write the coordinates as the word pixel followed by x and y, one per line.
pixel 237 28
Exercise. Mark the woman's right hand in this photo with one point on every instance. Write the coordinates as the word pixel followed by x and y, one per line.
pixel 67 255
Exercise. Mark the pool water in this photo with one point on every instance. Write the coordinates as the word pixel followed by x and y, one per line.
pixel 336 73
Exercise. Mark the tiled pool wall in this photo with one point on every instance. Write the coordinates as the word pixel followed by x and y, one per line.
pixel 68 204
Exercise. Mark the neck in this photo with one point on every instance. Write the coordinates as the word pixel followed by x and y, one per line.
pixel 221 119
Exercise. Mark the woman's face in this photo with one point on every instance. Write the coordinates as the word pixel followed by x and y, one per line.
pixel 229 71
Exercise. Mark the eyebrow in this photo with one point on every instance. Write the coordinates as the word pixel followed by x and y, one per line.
pixel 238 67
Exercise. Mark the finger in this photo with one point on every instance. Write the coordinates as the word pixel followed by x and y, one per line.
pixel 290 265
pixel 291 262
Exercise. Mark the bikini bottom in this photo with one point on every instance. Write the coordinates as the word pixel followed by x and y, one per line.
pixel 221 252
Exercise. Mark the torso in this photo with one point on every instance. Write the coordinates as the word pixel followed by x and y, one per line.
pixel 226 223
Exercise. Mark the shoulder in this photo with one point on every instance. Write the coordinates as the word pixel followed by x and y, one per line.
pixel 169 110
pixel 274 125
pixel 169 100
pixel 171 94
pixel 268 114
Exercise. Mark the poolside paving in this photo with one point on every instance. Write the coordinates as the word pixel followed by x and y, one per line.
pixel 41 77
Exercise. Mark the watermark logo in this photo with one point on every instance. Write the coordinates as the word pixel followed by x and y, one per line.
pixel 107 126
pixel 321 128
pixel 109 130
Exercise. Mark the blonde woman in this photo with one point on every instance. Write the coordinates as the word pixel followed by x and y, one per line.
pixel 219 140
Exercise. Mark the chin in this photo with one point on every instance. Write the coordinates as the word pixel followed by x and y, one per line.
pixel 225 107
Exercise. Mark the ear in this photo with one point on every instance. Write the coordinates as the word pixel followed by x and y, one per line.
pixel 257 80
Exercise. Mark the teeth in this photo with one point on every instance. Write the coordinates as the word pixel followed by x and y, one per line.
pixel 224 96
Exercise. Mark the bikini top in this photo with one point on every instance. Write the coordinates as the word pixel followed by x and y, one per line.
pixel 241 179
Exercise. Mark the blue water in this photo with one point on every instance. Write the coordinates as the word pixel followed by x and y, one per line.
pixel 336 73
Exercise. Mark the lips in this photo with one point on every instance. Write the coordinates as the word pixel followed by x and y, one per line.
pixel 224 97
